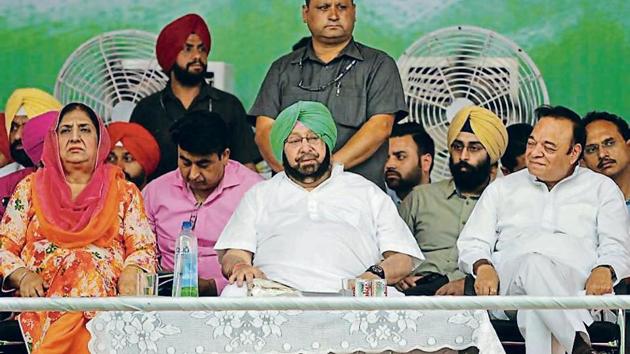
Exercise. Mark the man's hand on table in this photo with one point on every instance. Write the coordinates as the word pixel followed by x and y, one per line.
pixel 408 283
pixel 243 272
pixel 487 282
pixel 599 282
pixel 454 288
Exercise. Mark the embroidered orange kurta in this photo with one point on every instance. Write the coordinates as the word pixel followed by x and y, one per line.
pixel 88 271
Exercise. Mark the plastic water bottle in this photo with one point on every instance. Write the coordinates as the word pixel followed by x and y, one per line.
pixel 185 277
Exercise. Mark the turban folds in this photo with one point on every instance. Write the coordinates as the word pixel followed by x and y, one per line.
pixel 313 115
pixel 138 141
pixel 33 101
pixel 35 131
pixel 173 37
pixel 488 128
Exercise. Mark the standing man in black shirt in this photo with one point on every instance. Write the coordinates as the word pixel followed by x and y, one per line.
pixel 359 85
pixel 182 51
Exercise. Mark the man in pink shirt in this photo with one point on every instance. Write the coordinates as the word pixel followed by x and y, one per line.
pixel 205 189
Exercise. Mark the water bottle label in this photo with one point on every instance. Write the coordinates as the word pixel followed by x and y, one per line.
pixel 184 250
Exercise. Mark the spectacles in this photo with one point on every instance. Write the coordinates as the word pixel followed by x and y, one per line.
pixel 594 148
pixel 296 141
pixel 320 88
pixel 472 148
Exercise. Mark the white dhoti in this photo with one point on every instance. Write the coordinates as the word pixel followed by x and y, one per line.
pixel 538 275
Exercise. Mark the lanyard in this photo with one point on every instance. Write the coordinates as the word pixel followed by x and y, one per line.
pixel 335 81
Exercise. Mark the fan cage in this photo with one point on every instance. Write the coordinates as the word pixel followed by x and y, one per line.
pixel 111 68
pixel 453 67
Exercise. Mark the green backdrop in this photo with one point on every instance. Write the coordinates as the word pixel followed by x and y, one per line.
pixel 580 46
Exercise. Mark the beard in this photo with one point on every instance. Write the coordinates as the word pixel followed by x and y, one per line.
pixel 300 174
pixel 403 183
pixel 471 179
pixel 187 78
pixel 19 155
pixel 137 180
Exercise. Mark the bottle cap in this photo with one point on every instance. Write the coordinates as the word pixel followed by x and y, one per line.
pixel 187 225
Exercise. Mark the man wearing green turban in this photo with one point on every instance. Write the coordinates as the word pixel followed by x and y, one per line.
pixel 314 224
pixel 304 165
pixel 313 115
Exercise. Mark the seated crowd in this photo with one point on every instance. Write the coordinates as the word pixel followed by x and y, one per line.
pixel 529 210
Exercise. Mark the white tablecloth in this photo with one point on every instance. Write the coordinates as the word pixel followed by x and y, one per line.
pixel 291 331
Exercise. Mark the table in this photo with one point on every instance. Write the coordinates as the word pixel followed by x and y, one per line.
pixel 291 331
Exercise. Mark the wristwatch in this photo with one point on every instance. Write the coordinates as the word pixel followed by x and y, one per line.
pixel 377 270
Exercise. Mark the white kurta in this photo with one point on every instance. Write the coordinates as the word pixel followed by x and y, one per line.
pixel 312 240
pixel 581 223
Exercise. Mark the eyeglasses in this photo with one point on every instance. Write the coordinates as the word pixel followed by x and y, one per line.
pixel 594 148
pixel 472 148
pixel 320 88
pixel 296 141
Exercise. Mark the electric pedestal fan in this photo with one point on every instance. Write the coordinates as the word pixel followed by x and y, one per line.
pixel 111 73
pixel 458 66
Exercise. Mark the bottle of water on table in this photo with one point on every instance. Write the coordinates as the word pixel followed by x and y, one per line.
pixel 185 277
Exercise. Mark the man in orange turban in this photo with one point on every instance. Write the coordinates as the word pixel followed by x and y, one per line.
pixel 182 51
pixel 134 150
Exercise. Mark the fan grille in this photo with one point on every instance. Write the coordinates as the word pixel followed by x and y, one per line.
pixel 454 67
pixel 109 69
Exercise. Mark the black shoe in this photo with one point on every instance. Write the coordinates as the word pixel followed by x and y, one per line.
pixel 580 346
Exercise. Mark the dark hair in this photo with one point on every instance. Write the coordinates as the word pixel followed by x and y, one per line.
pixel 517 144
pixel 560 112
pixel 201 133
pixel 78 106
pixel 308 2
pixel 423 140
pixel 621 124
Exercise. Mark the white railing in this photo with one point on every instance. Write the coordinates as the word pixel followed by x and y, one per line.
pixel 314 303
